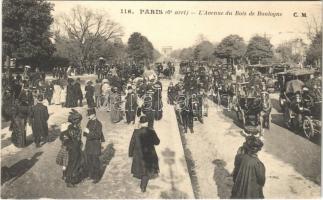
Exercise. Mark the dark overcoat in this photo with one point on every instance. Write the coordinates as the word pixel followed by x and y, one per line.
pixel 77 91
pixel 39 116
pixel 94 138
pixel 248 177
pixel 141 148
pixel 131 102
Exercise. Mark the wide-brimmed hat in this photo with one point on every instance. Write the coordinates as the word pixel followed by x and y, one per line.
pixel 74 117
pixel 253 144
pixel 105 81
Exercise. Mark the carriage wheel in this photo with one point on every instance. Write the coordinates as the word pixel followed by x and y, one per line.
pixel 308 127
pixel 287 118
pixel 281 103
pixel 219 99
pixel 238 116
pixel 243 119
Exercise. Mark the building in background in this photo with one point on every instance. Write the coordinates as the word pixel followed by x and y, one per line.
pixel 166 50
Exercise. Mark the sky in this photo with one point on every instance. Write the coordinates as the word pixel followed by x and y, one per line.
pixel 181 31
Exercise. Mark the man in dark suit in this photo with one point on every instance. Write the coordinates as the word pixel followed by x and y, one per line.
pixel 78 92
pixel 39 116
pixel 94 137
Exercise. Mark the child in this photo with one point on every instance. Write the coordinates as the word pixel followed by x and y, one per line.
pixel 62 156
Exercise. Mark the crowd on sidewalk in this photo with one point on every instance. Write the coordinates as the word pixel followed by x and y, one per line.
pixel 136 99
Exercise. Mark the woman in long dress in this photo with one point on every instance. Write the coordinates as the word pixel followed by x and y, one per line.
pixel 63 96
pixel 74 169
pixel 57 93
pixel 116 113
pixel 71 100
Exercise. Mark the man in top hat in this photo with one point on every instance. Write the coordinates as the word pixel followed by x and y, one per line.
pixel 39 116
pixel 249 171
pixel 89 95
pixel 78 91
pixel 171 93
pixel 94 137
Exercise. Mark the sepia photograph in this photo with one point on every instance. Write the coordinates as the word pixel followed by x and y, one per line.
pixel 161 99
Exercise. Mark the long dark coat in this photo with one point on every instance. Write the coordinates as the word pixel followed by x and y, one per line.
pixel 248 177
pixel 77 91
pixel 70 97
pixel 75 160
pixel 89 95
pixel 39 116
pixel 131 106
pixel 94 138
pixel 141 148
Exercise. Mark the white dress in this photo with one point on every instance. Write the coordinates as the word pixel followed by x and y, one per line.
pixel 57 94
pixel 63 96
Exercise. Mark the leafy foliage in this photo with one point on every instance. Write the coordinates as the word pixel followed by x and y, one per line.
pixel 204 51
pixel 259 48
pixel 314 54
pixel 140 49
pixel 26 34
pixel 231 47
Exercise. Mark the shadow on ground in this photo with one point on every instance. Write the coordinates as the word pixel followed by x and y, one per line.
pixel 53 133
pixel 18 169
pixel 275 105
pixel 279 120
pixel 106 157
pixel 232 115
pixel 223 179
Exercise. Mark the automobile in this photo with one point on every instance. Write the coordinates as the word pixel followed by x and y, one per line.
pixel 312 120
pixel 300 74
pixel 183 67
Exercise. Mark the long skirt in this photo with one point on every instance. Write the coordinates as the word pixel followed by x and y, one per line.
pixel 74 170
pixel 18 137
pixel 57 94
pixel 63 97
pixel 116 115
pixel 62 156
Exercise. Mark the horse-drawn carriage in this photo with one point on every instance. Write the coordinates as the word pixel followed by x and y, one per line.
pixel 266 74
pixel 164 70
pixel 252 107
pixel 223 92
pixel 185 67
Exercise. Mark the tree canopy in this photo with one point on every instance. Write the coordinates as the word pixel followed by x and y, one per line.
pixel 26 35
pixel 231 48
pixel 314 53
pixel 204 51
pixel 259 48
pixel 140 49
pixel 82 30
